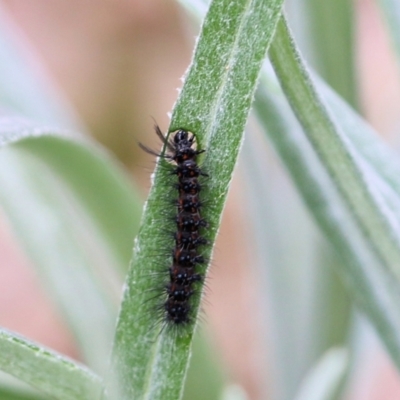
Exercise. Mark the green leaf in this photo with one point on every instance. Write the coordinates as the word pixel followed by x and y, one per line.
pixel 214 104
pixel 324 135
pixel 76 214
pixel 365 143
pixel 12 388
pixel 48 371
pixel 329 27
pixel 358 221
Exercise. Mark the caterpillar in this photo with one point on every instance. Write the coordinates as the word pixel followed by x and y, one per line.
pixel 183 271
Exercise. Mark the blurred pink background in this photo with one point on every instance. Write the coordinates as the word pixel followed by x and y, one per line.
pixel 120 63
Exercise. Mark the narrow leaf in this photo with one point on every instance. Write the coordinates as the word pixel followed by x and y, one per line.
pixel 75 213
pixel 329 27
pixel 372 261
pixel 214 104
pixel 48 371
pixel 376 224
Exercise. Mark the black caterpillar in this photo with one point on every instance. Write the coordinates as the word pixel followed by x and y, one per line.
pixel 183 271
